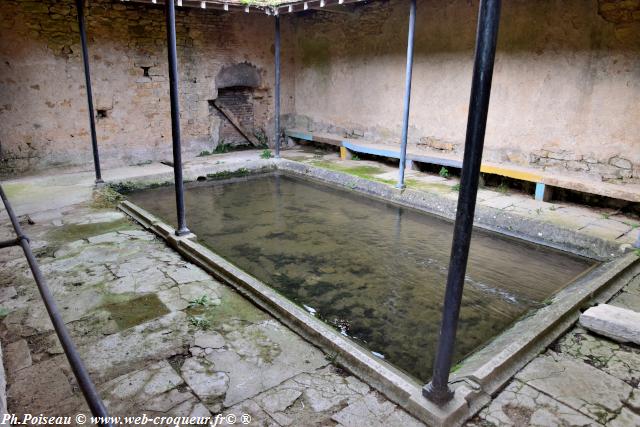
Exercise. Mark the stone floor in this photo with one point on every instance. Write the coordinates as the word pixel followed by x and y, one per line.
pixel 133 307
pixel 128 301
pixel 605 223
pixel 582 380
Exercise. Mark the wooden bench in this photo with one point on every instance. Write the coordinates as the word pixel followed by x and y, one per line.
pixel 544 180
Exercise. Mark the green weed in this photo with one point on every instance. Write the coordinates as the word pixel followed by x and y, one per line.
pixel 222 148
pixel 106 197
pixel 261 137
pixel 202 301
pixel 331 358
pixel 199 322
pixel 444 173
pixel 228 174
pixel 266 154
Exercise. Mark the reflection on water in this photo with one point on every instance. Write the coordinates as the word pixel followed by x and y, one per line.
pixel 375 271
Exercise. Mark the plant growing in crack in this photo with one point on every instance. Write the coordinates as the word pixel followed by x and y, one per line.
pixel 444 173
pixel 202 301
pixel 266 154
pixel 261 137
pixel 456 187
pixel 199 322
pixel 331 358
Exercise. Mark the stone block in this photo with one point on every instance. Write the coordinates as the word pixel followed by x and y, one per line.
pixel 613 322
pixel 17 357
pixel 578 385
pixel 620 162
pixel 521 405
pixel 437 144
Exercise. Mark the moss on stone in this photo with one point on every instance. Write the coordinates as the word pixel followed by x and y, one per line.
pixel 128 312
pixel 228 174
pixel 233 306
pixel 364 171
pixel 72 232
pixel 106 197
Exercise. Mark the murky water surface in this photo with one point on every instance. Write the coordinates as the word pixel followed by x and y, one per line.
pixel 375 271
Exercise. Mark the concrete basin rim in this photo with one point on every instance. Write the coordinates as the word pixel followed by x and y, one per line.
pixel 472 389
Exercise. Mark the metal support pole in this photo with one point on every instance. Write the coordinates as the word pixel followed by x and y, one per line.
pixel 489 17
pixel 170 13
pixel 84 381
pixel 87 78
pixel 407 93
pixel 277 88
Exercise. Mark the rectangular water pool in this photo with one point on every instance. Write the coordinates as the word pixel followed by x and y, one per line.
pixel 374 270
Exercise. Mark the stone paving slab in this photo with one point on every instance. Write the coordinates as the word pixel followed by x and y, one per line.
pixel 578 385
pixel 97 262
pixel 199 348
pixel 626 418
pixel 521 405
pixel 616 359
pixel 628 300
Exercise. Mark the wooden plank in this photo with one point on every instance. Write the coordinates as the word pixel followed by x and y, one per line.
pixel 629 192
pixel 370 150
pixel 520 174
pixel 236 123
pixel 323 138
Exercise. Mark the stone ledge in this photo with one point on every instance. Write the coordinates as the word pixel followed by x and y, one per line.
pixel 395 385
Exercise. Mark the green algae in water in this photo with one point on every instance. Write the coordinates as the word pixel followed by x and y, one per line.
pixel 373 270
pixel 135 311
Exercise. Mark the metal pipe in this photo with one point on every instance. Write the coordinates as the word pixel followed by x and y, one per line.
pixel 87 78
pixel 170 14
pixel 407 93
pixel 277 87
pixel 9 243
pixel 488 21
pixel 84 381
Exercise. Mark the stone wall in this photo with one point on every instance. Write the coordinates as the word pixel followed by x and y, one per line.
pixel 565 95
pixel 565 92
pixel 43 109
